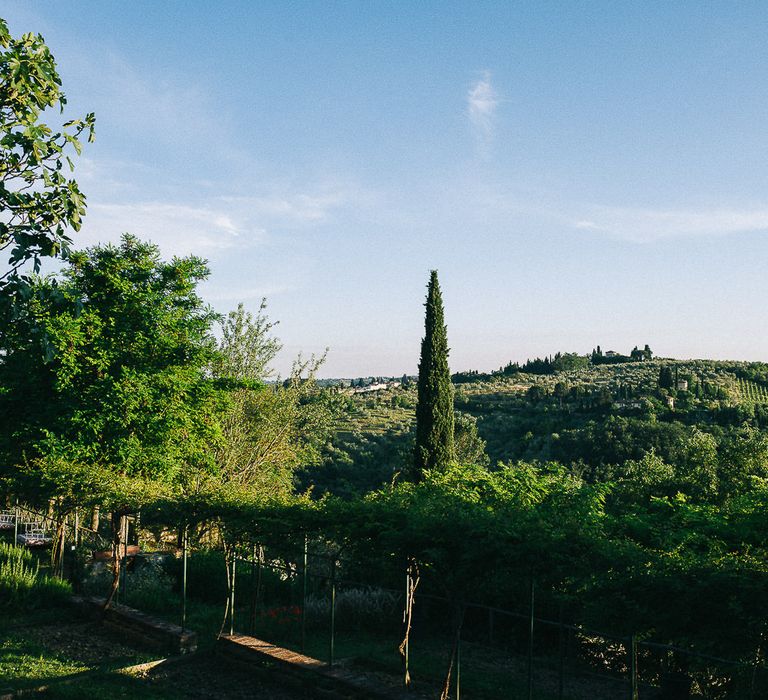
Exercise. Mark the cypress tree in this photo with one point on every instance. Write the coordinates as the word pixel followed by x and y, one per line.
pixel 434 409
pixel 666 380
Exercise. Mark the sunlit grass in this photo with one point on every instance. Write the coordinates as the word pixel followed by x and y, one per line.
pixel 24 663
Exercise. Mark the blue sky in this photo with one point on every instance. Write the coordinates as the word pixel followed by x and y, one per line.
pixel 579 173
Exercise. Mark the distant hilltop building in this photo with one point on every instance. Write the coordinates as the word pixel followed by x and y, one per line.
pixel 613 357
pixel 627 405
pixel 682 385
pixel 378 386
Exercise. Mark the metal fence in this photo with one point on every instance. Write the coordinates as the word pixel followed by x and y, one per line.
pixel 501 652
pixel 304 598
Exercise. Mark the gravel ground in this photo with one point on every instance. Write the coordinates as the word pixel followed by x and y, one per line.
pixel 207 676
pixel 202 675
pixel 85 642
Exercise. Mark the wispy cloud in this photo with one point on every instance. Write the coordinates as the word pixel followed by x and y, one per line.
pixel 645 225
pixel 296 207
pixel 215 222
pixel 499 204
pixel 177 228
pixel 157 108
pixel 482 103
pixel 218 293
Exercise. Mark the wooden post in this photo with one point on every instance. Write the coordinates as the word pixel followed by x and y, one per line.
pixel 304 596
pixel 259 570
pixel 458 666
pixel 254 590
pixel 406 651
pixel 124 569
pixel 184 553
pixel 530 641
pixel 232 596
pixel 633 667
pixel 561 654
pixel 62 547
pixel 333 613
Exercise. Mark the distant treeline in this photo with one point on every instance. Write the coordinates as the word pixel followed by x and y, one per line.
pixel 559 362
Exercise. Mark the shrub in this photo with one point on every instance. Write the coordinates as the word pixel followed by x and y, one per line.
pixel 206 575
pixel 150 588
pixel 96 580
pixel 23 586
pixel 207 578
pixel 356 607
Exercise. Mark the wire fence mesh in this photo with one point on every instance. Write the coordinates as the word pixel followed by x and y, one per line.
pixel 311 599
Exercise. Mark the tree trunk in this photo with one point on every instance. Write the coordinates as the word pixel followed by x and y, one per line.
pixel 458 622
pixel 228 561
pixel 119 523
pixel 57 550
pixel 95 519
pixel 413 579
pixel 758 655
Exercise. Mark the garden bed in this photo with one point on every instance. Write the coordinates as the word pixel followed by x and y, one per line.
pixel 140 627
pixel 76 659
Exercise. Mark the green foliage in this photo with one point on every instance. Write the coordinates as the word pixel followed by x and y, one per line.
pixel 594 419
pixel 469 446
pixel 752 391
pixel 68 484
pixel 112 391
pixel 247 346
pixel 685 573
pixel 149 588
pixel 207 580
pixel 271 431
pixel 39 203
pixel 554 364
pixel 22 586
pixel 666 379
pixel 434 410
pixel 673 550
pixel 515 520
pixel 206 576
pixel 356 463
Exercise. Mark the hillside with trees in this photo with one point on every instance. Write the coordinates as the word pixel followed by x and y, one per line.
pixel 604 512
pixel 594 418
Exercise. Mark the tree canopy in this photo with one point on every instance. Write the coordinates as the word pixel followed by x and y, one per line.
pixel 39 203
pixel 110 368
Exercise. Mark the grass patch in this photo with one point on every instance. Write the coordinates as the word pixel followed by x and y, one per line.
pixel 60 646
pixel 27 664
pixel 23 586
